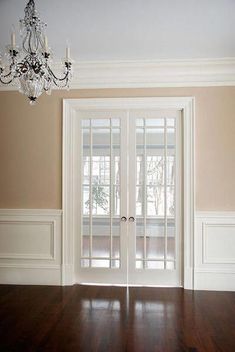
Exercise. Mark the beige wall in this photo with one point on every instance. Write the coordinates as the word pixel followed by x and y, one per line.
pixel 31 145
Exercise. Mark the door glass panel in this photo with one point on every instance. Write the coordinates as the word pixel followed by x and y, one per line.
pixel 116 238
pixel 140 238
pixel 100 193
pixel 155 238
pixel 85 238
pixel 100 237
pixel 155 193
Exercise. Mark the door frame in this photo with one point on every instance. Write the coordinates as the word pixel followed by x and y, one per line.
pixel 70 185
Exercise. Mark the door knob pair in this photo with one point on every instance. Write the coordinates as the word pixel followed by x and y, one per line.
pixel 131 219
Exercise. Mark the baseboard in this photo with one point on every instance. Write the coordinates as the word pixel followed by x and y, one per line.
pixel 214 251
pixel 30 246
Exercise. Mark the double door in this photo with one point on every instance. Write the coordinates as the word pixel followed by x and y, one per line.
pixel 130 197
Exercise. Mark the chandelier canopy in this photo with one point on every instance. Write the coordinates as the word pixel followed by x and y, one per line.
pixel 28 66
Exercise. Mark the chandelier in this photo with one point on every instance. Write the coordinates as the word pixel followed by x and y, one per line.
pixel 29 66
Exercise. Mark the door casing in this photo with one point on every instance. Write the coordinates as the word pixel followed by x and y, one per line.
pixel 71 181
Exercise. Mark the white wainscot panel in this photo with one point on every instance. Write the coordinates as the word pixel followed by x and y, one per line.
pixel 215 251
pixel 30 246
pixel 27 240
pixel 218 243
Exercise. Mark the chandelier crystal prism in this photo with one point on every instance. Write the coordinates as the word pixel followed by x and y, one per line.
pixel 28 67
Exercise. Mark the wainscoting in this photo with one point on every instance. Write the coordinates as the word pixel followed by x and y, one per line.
pixel 214 267
pixel 30 246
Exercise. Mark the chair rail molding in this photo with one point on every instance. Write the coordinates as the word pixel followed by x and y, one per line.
pixel 150 74
pixel 70 145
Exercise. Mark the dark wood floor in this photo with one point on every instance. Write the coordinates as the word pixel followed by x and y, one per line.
pixel 86 318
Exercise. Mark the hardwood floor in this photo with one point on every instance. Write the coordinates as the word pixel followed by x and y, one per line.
pixel 92 318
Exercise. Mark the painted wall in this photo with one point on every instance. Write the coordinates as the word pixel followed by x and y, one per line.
pixel 31 145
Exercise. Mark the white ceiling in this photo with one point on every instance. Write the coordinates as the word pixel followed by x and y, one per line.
pixel 131 29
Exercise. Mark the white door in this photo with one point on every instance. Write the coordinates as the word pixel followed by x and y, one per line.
pixel 154 246
pixel 129 224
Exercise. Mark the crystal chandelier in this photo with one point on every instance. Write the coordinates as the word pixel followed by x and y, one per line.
pixel 28 66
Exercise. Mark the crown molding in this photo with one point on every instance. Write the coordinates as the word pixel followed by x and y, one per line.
pixel 150 74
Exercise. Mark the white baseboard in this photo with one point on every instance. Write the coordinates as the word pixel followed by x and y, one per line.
pixel 30 246
pixel 214 251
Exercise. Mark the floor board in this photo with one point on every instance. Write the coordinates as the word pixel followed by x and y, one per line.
pixel 95 318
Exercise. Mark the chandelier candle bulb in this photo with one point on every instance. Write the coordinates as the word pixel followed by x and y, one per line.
pixel 67 53
pixel 13 39
pixel 46 44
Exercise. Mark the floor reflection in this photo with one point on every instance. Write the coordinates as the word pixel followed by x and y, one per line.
pixel 115 319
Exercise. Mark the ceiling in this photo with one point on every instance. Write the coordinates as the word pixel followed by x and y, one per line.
pixel 131 29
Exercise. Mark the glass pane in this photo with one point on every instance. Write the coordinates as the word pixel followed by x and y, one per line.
pixel 100 263
pixel 170 137
pixel 170 201
pixel 115 122
pixel 155 170
pixel 140 238
pixel 116 238
pixel 100 237
pixel 86 200
pixel 139 122
pixel 116 138
pixel 170 265
pixel 139 264
pixel 85 237
pixel 154 140
pixel 139 170
pixel 100 200
pixel 100 123
pixel 171 239
pixel 116 200
pixel 101 170
pixel 86 142
pixel 139 200
pixel 101 142
pixel 154 122
pixel 117 170
pixel 171 122
pixel 155 240
pixel 155 200
pixel 86 123
pixel 115 264
pixel 170 170
pixel 154 265
pixel 86 170
pixel 85 263
pixel 140 141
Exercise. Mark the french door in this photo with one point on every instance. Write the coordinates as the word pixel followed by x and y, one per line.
pixel 130 197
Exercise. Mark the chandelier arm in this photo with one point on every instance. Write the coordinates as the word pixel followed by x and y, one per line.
pixel 35 34
pixel 8 82
pixel 5 76
pixel 30 36
pixel 24 42
pixel 60 79
pixel 61 85
pixel 9 73
pixel 41 42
